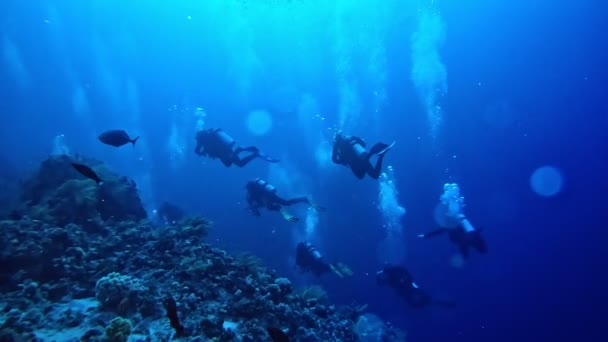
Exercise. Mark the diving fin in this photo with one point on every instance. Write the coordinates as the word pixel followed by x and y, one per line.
pixel 288 217
pixel 336 270
pixel 267 158
pixel 381 148
pixel 388 147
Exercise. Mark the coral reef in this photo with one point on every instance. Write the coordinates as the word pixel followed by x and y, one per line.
pixel 58 194
pixel 314 293
pixel 65 279
pixel 118 330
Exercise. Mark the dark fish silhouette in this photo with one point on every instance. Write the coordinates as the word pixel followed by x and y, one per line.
pixel 171 308
pixel 277 334
pixel 87 172
pixel 116 137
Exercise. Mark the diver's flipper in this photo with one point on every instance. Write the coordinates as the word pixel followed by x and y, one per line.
pixel 344 270
pixel 315 205
pixel 336 270
pixel 267 158
pixel 385 149
pixel 288 217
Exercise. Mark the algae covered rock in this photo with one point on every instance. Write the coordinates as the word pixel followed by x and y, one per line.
pixel 79 242
pixel 118 330
pixel 116 290
pixel 57 193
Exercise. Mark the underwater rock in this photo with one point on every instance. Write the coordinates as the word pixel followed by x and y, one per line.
pixel 58 194
pixel 116 292
pixel 118 330
pixel 107 279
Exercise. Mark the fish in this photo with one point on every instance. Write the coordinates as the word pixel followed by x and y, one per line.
pixel 87 172
pixel 277 335
pixel 116 138
pixel 171 308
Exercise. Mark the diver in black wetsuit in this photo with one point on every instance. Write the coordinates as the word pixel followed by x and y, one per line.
pixel 350 151
pixel 215 143
pixel 463 235
pixel 309 259
pixel 260 194
pixel 169 213
pixel 402 282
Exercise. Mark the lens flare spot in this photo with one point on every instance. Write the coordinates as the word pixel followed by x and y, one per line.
pixel 546 181
pixel 259 122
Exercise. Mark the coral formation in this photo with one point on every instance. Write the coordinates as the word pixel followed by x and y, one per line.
pixel 64 278
pixel 58 194
pixel 118 330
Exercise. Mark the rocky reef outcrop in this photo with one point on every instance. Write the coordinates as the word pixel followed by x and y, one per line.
pixel 56 193
pixel 83 264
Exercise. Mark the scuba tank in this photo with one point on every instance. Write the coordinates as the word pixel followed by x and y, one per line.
pixel 313 251
pixel 265 186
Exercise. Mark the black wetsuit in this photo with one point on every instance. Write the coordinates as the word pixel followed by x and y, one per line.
pixel 169 213
pixel 261 194
pixel 309 259
pixel 401 281
pixel 463 239
pixel 215 143
pixel 350 151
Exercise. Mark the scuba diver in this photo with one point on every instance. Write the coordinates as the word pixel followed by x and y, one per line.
pixel 169 213
pixel 350 152
pixel 215 143
pixel 398 278
pixel 449 214
pixel 464 235
pixel 261 194
pixel 309 259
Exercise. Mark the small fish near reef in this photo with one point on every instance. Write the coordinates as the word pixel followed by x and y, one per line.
pixel 87 172
pixel 116 138
pixel 277 335
pixel 171 308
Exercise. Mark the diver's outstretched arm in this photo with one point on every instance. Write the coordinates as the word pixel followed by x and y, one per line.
pixel 253 206
pixel 335 156
pixel 200 150
pixel 433 233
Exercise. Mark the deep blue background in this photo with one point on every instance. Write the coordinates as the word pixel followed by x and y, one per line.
pixel 537 66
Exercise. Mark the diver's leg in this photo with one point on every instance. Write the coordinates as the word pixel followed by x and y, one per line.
pixel 358 169
pixel 376 170
pixel 226 161
pixel 464 250
pixel 256 153
pixel 306 200
pixel 293 200
pixel 254 206
pixel 478 242
pixel 240 149
pixel 244 161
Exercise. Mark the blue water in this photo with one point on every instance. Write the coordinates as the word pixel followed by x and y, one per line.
pixel 481 93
